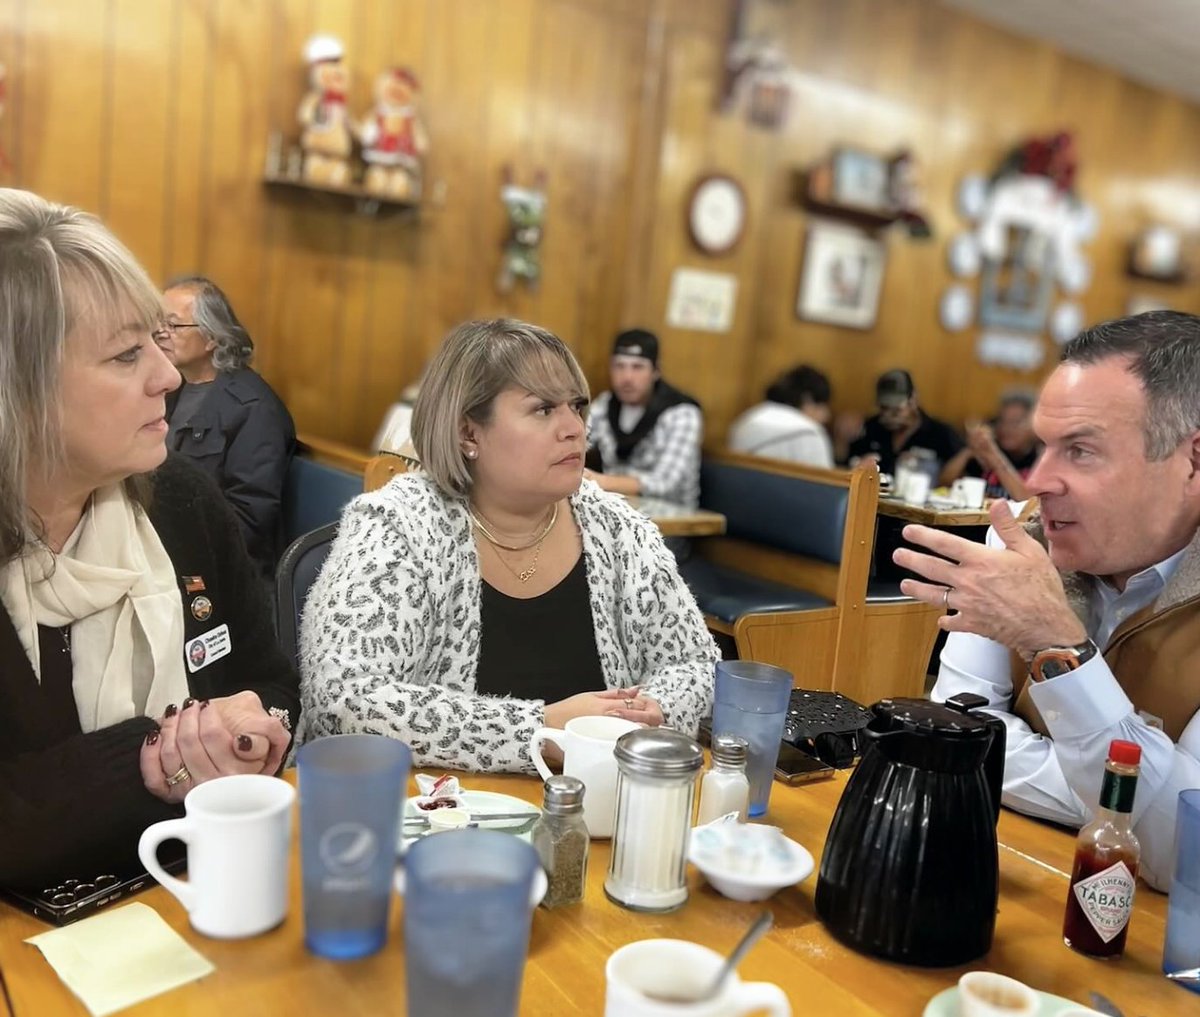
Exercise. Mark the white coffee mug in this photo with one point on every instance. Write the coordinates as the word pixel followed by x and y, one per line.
pixel 665 977
pixel 237 830
pixel 587 747
pixel 987 994
pixel 968 492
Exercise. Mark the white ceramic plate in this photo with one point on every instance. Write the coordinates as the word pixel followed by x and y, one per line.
pixel 945 1004
pixel 478 803
pixel 536 892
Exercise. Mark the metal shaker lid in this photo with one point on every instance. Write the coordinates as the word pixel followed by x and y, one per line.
pixel 563 794
pixel 658 752
pixel 729 749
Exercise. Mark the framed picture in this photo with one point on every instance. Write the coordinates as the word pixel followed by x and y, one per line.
pixel 841 277
pixel 1016 289
pixel 861 180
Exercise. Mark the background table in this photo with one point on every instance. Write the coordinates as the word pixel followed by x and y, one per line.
pixel 678 520
pixel 930 516
pixel 273 974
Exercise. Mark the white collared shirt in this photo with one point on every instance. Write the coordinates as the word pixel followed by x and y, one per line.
pixel 1058 778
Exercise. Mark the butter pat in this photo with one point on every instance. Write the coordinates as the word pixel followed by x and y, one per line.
pixel 120 957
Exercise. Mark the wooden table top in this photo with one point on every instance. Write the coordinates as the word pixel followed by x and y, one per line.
pixel 274 974
pixel 678 520
pixel 930 516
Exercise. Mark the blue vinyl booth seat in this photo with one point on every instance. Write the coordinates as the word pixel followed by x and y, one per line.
pixel 298 569
pixel 315 494
pixel 789 580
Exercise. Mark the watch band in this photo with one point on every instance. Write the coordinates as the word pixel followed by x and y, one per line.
pixel 1059 660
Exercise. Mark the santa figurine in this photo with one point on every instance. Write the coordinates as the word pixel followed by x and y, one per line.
pixel 393 138
pixel 326 125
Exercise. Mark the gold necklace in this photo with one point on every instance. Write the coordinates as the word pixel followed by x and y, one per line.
pixel 482 527
pixel 525 574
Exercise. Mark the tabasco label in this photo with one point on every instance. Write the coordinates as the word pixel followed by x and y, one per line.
pixel 1107 899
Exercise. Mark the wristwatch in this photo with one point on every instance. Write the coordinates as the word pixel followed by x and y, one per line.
pixel 1059 660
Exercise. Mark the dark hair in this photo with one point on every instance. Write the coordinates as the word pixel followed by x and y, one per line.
pixel 1163 350
pixel 897 382
pixel 1023 397
pixel 799 385
pixel 214 314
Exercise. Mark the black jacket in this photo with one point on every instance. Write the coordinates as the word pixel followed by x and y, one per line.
pixel 77 806
pixel 243 437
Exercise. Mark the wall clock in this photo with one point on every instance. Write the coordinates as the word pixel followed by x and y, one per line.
pixel 717 214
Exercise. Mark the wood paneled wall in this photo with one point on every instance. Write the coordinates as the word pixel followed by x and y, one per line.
pixel 156 114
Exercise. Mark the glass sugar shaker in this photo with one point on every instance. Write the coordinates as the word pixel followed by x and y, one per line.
pixel 656 789
pixel 725 788
pixel 561 840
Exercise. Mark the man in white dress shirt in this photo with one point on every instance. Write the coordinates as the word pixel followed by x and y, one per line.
pixel 1095 633
pixel 790 423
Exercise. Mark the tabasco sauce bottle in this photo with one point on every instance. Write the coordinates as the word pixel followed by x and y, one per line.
pixel 1100 900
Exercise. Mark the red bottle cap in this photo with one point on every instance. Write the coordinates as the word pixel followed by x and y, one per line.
pixel 1129 753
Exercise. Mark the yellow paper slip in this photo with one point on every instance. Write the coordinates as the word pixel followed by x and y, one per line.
pixel 120 957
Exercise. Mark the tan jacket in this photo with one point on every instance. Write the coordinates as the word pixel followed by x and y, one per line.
pixel 1154 654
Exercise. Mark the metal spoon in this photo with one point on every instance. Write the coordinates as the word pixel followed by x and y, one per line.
pixel 752 936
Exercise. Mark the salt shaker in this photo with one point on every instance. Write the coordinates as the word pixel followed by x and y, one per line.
pixel 725 788
pixel 656 788
pixel 561 839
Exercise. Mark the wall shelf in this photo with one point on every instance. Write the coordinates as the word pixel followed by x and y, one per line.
pixel 363 201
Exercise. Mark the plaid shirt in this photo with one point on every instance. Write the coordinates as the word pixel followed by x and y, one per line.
pixel 666 462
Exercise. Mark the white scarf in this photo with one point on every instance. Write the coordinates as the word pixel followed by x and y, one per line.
pixel 114 584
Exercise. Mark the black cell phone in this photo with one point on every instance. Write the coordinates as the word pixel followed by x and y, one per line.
pixel 795 766
pixel 73 899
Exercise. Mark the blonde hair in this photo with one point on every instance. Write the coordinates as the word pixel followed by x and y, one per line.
pixel 59 267
pixel 475 363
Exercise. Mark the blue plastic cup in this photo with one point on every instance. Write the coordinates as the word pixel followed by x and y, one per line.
pixel 467 912
pixel 351 793
pixel 1182 947
pixel 752 703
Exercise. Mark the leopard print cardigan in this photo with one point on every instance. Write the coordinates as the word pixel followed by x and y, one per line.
pixel 390 634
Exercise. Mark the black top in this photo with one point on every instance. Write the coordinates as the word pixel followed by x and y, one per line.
pixel 243 437
pixel 72 802
pixel 540 648
pixel 933 434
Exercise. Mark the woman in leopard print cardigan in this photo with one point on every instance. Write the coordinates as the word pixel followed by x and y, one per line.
pixel 393 629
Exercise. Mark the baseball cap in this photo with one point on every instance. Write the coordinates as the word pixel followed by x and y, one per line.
pixel 637 342
pixel 894 388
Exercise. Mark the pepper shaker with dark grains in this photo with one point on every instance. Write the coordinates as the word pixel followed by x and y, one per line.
pixel 562 841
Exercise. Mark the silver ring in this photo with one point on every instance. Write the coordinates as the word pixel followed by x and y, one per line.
pixel 629 703
pixel 178 777
pixel 946 597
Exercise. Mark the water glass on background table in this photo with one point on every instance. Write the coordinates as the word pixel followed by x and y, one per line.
pixel 351 795
pixel 751 702
pixel 467 914
pixel 1182 948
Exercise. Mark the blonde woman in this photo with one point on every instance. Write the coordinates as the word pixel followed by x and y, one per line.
pixel 137 657
pixel 464 606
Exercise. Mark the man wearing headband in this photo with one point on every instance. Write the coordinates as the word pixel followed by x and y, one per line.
pixel 647 433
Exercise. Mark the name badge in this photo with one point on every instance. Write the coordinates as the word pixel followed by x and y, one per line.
pixel 204 649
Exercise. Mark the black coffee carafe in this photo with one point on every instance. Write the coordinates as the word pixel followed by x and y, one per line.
pixel 910 870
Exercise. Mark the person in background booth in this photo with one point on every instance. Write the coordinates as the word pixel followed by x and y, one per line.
pixel 1004 452
pixel 790 423
pixel 900 424
pixel 1083 627
pixel 114 568
pixel 225 417
pixel 646 432
pixel 496 591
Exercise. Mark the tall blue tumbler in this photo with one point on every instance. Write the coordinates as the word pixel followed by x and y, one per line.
pixel 1182 947
pixel 752 703
pixel 467 912
pixel 351 793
